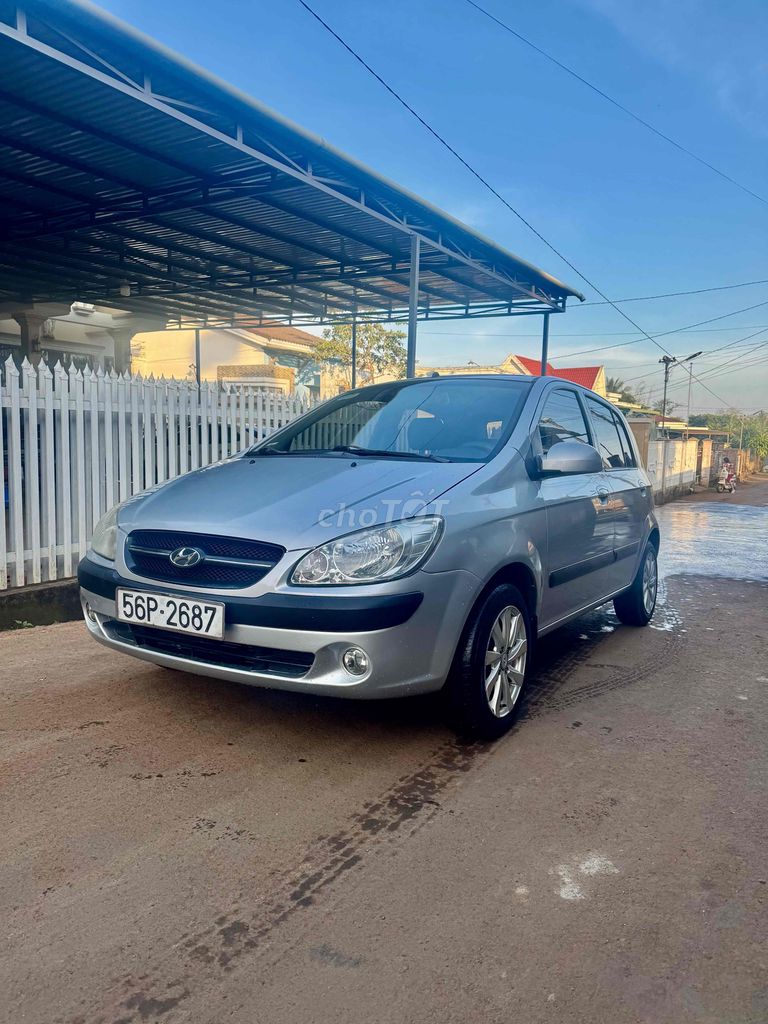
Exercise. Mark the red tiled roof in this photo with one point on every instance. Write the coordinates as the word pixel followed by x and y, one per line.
pixel 584 375
pixel 533 366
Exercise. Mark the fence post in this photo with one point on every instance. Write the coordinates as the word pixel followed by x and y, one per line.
pixel 94 447
pixel 48 469
pixel 32 470
pixel 64 462
pixel 3 535
pixel 106 388
pixel 15 485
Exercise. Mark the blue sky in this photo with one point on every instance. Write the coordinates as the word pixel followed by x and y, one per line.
pixel 637 216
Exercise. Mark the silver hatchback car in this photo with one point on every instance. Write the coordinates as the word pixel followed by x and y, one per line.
pixel 404 537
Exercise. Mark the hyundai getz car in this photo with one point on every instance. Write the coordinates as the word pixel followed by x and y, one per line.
pixel 403 537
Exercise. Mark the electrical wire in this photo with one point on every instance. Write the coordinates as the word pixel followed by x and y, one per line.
pixel 483 181
pixel 664 334
pixel 620 106
pixel 717 371
pixel 711 351
pixel 674 295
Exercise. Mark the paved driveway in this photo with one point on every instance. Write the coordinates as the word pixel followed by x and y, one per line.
pixel 175 849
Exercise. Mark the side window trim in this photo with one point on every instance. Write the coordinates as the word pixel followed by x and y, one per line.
pixel 596 400
pixel 587 419
pixel 626 437
pixel 535 434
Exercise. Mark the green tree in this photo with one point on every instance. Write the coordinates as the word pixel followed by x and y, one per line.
pixel 380 352
pixel 617 384
pixel 751 431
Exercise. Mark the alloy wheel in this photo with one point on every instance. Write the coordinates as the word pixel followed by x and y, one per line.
pixel 505 659
pixel 650 580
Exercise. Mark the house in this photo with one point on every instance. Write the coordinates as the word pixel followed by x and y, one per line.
pixel 592 377
pixel 280 358
pixel 81 335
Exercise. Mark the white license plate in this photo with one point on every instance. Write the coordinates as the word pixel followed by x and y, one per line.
pixel 164 611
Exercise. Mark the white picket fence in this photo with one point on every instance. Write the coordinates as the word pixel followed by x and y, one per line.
pixel 75 443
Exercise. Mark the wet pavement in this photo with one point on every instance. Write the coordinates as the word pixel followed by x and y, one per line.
pixel 178 850
pixel 715 539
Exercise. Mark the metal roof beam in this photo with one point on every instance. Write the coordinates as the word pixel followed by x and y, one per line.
pixel 65 262
pixel 20 35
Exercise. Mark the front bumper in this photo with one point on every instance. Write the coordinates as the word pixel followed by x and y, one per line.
pixel 409 636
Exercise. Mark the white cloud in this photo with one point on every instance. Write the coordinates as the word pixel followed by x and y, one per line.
pixel 725 53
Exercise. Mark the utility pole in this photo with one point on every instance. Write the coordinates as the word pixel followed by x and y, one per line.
pixel 667 361
pixel 689 360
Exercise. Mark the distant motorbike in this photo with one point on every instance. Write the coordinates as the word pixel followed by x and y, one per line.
pixel 726 481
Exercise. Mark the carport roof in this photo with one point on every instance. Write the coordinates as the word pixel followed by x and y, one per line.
pixel 132 178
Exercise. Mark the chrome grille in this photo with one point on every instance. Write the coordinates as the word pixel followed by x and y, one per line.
pixel 228 562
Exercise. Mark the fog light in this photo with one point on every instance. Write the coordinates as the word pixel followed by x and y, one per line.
pixel 355 661
pixel 90 613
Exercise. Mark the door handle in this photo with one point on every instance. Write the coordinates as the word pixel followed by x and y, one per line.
pixel 603 493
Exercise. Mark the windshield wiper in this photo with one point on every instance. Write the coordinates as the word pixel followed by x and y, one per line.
pixel 275 451
pixel 386 453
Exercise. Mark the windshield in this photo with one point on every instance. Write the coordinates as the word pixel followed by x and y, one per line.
pixel 439 419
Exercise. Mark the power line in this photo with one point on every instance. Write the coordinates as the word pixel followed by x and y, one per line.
pixel 760 361
pixel 711 351
pixel 674 295
pixel 483 181
pixel 664 334
pixel 719 371
pixel 616 103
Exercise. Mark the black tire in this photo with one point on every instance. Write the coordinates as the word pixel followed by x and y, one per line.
pixel 469 707
pixel 636 605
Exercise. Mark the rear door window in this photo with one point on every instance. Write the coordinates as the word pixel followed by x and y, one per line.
pixel 629 455
pixel 607 438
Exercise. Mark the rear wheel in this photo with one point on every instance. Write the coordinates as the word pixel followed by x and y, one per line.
pixel 490 667
pixel 635 606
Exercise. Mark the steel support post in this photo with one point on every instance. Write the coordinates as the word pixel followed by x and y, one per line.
pixel 197 357
pixel 354 352
pixel 544 345
pixel 413 306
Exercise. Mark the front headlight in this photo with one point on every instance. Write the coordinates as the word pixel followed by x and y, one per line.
pixel 370 556
pixel 104 539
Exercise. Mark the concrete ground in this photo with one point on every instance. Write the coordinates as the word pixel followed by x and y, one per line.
pixel 180 850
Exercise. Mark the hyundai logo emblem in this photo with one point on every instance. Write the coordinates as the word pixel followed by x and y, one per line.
pixel 186 558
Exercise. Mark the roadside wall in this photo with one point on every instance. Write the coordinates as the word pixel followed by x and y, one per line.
pixel 671 465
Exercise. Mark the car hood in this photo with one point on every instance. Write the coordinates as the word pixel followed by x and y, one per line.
pixel 293 501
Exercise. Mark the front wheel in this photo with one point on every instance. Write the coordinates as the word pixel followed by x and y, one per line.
pixel 636 605
pixel 489 670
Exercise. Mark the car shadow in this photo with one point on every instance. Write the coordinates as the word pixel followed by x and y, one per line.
pixel 244 708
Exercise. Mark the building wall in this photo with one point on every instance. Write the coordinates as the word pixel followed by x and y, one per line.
pixel 672 463
pixel 260 375
pixel 172 353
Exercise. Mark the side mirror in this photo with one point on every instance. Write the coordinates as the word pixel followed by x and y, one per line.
pixel 569 457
